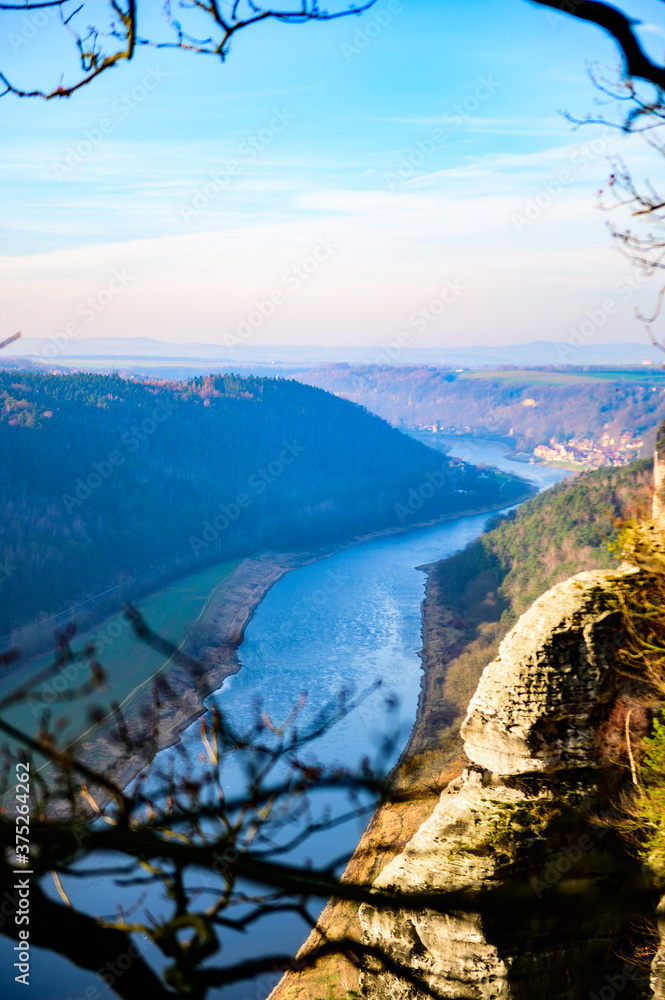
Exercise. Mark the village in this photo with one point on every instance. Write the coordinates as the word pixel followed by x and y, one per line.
pixel 590 454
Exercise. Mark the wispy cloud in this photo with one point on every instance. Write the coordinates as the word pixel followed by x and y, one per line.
pixel 393 252
pixel 550 127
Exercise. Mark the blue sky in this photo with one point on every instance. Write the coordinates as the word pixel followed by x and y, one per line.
pixel 412 144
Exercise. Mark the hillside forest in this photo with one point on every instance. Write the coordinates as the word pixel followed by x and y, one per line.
pixel 112 484
pixel 475 596
pixel 523 407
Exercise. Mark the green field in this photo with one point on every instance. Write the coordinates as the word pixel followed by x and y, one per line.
pixel 128 664
pixel 648 374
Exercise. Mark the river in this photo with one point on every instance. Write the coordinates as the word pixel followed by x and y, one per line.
pixel 346 622
pixel 342 623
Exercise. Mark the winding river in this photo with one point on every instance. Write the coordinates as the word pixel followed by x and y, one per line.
pixel 342 623
pixel 346 622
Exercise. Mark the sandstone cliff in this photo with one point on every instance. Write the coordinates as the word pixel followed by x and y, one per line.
pixel 522 815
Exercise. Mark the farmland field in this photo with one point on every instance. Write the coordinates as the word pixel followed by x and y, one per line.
pixel 128 664
pixel 649 375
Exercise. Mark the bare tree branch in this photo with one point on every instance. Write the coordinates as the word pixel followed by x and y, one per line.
pixel 216 861
pixel 122 30
pixel 621 27
pixel 9 340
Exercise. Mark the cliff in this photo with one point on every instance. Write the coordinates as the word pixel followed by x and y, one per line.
pixel 522 815
pixel 472 598
pixel 658 506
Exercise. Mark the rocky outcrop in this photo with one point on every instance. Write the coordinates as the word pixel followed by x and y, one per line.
pixel 658 503
pixel 536 708
pixel 658 964
pixel 521 817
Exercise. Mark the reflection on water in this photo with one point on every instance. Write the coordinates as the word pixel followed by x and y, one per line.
pixel 339 624
pixel 351 620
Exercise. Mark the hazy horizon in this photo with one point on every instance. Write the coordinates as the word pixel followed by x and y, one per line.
pixel 407 171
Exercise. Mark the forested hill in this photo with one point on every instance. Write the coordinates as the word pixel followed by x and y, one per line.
pixel 475 596
pixel 105 480
pixel 528 406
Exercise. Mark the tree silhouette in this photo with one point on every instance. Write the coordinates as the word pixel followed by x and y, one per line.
pixel 204 27
pixel 191 864
pixel 622 28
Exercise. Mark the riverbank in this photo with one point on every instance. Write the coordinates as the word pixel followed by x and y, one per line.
pixel 337 624
pixel 472 598
pixel 429 761
pixel 183 689
pixel 443 442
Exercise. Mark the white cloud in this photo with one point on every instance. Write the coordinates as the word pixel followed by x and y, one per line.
pixel 652 29
pixel 395 251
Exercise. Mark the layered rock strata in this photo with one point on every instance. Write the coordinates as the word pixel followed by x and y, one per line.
pixel 523 816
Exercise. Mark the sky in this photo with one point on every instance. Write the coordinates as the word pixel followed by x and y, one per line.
pixel 405 177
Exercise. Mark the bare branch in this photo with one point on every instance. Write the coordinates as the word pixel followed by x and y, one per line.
pixel 621 27
pixel 122 29
pixel 9 340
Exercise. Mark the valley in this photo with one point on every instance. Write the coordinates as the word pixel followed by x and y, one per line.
pixel 351 614
pixel 113 487
pixel 332 496
pixel 472 599
pixel 584 417
pixel 341 621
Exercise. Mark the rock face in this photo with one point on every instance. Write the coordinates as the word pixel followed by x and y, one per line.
pixel 537 705
pixel 520 816
pixel 658 964
pixel 658 505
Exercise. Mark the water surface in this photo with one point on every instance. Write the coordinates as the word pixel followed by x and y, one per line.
pixel 338 624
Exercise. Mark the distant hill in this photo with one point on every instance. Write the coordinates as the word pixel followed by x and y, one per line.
pixel 539 352
pixel 527 407
pixel 10 364
pixel 106 480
